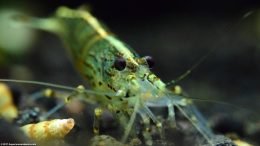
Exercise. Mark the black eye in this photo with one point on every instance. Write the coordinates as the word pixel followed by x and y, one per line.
pixel 149 61
pixel 120 63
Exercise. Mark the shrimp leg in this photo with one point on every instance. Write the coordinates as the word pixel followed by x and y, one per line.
pixel 97 117
pixel 196 119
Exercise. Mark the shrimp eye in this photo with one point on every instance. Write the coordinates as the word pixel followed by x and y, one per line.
pixel 120 63
pixel 149 60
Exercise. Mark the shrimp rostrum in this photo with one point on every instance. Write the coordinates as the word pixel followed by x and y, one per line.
pixel 109 65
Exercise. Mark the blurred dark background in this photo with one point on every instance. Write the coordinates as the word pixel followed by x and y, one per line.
pixel 177 33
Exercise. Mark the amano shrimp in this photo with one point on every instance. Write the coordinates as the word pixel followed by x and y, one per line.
pixel 110 65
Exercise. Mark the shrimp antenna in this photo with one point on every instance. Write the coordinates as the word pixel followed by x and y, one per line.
pixel 188 72
pixel 63 87
pixel 222 103
pixel 204 57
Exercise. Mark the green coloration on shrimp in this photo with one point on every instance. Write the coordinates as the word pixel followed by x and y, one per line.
pixel 110 65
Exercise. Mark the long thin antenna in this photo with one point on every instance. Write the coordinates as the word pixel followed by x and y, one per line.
pixel 188 72
pixel 232 106
pixel 204 57
pixel 39 83
pixel 223 103
pixel 56 86
pixel 216 102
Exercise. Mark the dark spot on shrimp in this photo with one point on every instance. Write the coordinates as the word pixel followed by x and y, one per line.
pixel 93 56
pixel 143 77
pixel 109 73
pixel 127 94
pixel 131 66
pixel 119 54
pixel 108 97
pixel 99 69
pixel 111 87
pixel 86 64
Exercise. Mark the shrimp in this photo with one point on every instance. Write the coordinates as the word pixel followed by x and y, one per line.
pixel 110 65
